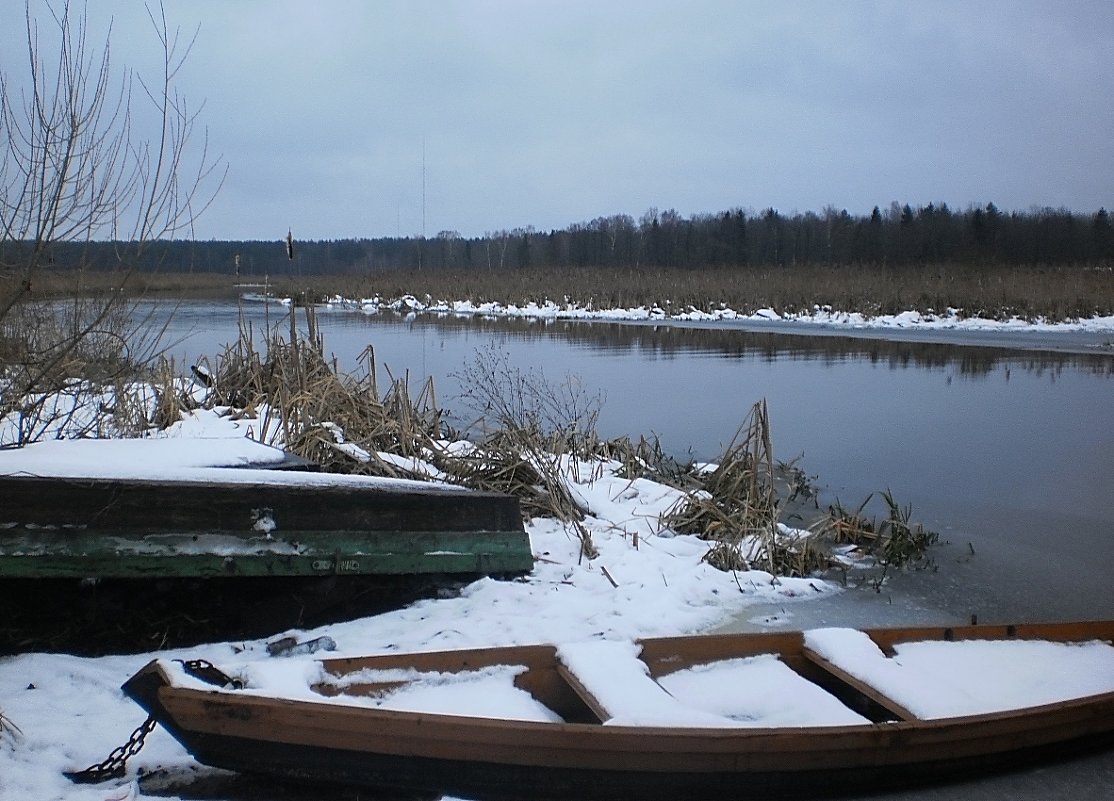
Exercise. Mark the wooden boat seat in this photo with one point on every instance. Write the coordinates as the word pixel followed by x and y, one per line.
pixel 616 685
pixel 861 687
pixel 937 678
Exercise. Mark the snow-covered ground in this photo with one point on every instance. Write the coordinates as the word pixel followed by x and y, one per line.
pixel 65 712
pixel 70 712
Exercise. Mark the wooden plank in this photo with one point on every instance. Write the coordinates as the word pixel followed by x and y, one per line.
pixel 899 711
pixel 216 566
pixel 582 692
pixel 107 504
pixel 532 656
pixel 664 655
pixel 1076 631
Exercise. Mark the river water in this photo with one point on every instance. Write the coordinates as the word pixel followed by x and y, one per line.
pixel 1003 443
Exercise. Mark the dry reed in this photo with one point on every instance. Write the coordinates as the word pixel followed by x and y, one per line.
pixel 737 505
pixel 7 728
pixel 739 508
pixel 300 398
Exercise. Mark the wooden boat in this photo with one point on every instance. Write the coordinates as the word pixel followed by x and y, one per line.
pixel 623 720
pixel 116 564
pixel 335 525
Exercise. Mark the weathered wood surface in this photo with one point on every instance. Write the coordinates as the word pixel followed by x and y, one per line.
pixel 108 528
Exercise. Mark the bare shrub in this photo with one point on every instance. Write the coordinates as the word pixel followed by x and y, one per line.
pixel 72 169
pixel 532 433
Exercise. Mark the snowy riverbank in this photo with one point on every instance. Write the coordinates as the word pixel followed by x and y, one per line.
pixel 951 319
pixel 70 712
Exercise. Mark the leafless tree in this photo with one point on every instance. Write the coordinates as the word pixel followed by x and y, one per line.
pixel 89 152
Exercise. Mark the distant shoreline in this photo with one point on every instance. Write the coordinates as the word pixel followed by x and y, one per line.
pixel 682 298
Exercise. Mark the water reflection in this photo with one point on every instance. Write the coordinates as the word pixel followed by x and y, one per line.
pixel 666 341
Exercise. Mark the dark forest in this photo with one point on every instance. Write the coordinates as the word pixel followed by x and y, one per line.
pixel 901 237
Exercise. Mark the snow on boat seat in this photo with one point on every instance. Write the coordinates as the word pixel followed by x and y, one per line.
pixel 486 692
pixel 755 691
pixel 939 679
pixel 758 691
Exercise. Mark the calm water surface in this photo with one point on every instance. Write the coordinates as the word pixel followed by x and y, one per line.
pixel 1008 453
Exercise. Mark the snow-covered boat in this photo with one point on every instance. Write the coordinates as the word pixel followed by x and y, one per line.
pixel 715 716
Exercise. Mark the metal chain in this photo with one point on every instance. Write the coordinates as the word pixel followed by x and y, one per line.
pixel 113 767
pixel 208 672
pixel 115 764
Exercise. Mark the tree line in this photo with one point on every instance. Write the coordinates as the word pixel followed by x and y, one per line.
pixel 900 237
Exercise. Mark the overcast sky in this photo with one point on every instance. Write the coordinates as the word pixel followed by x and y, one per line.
pixel 546 114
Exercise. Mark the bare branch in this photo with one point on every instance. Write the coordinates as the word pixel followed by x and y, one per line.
pixel 75 167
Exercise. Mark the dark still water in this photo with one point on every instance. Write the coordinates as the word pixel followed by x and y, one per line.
pixel 1007 452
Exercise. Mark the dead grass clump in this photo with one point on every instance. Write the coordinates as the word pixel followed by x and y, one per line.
pixel 892 542
pixel 800 556
pixel 846 527
pixel 302 400
pixel 647 459
pixel 903 543
pixel 737 505
pixel 503 463
pixel 727 556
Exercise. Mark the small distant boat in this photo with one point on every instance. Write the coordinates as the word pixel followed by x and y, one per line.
pixel 768 715
pixel 260 293
pixel 262 297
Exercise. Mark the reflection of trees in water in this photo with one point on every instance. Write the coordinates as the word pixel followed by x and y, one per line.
pixel 668 341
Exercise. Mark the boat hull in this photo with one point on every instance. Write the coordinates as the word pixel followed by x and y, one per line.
pixel 473 778
pixel 484 758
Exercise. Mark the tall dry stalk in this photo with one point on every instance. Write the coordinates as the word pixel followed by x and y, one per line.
pixel 737 505
pixel 7 727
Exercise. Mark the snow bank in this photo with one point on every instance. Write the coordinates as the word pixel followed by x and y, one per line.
pixel 949 319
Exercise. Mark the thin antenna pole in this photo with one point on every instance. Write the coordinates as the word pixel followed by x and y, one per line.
pixel 423 187
pixel 421 243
